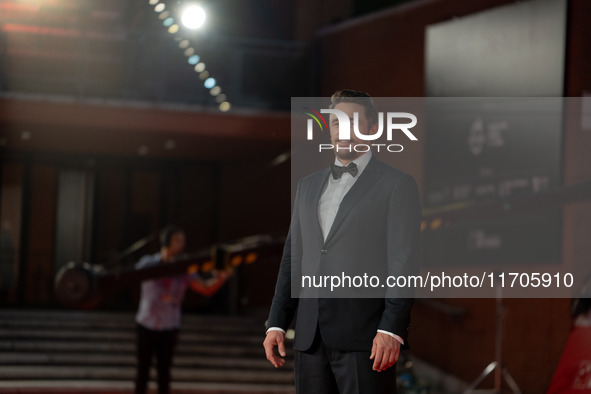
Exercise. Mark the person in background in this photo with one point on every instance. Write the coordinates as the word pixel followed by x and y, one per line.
pixel 159 314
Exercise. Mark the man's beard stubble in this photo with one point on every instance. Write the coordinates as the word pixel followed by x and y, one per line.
pixel 346 154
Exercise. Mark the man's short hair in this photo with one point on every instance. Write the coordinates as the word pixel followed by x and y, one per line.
pixel 355 96
pixel 167 233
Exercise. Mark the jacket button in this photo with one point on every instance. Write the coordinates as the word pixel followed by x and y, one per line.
pixel 324 251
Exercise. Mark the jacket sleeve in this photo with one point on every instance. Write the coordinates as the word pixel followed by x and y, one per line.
pixel 403 253
pixel 284 306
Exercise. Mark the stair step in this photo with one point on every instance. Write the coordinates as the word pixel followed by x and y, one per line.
pixel 116 387
pixel 15 359
pixel 269 376
pixel 118 318
pixel 204 325
pixel 127 347
pixel 122 336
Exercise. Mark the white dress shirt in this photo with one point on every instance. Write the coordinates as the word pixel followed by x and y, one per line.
pixel 329 203
pixel 334 192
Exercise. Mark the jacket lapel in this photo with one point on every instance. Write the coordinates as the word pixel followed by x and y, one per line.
pixel 366 180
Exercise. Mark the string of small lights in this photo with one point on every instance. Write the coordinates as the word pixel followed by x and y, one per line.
pixel 192 17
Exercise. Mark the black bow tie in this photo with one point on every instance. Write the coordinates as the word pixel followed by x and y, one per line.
pixel 338 171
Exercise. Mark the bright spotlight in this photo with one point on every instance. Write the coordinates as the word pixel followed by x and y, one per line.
pixel 225 106
pixel 209 83
pixel 200 67
pixel 193 17
pixel 193 59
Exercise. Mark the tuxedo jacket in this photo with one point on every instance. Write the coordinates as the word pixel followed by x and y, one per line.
pixel 377 225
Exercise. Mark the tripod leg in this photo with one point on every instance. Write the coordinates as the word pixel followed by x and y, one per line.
pixel 489 368
pixel 511 382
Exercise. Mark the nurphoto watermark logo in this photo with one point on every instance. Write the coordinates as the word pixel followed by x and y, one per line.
pixel 392 125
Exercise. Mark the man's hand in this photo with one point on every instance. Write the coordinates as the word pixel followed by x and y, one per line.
pixel 384 352
pixel 275 338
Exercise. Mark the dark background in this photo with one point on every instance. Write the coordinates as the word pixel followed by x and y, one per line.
pixel 107 134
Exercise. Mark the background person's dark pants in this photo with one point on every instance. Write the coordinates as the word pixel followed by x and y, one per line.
pixel 329 371
pixel 162 344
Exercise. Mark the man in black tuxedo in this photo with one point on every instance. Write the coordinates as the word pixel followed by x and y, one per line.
pixel 358 212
